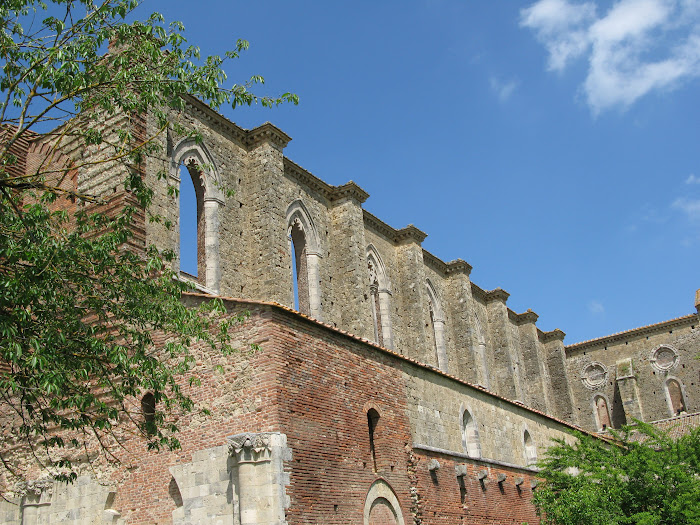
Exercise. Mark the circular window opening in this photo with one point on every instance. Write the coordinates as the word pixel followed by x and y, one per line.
pixel 664 358
pixel 594 375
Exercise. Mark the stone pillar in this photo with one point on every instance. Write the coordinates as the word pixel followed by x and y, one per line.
pixel 259 477
pixel 629 392
pixel 313 261
pixel 505 373
pixel 385 317
pixel 211 243
pixel 439 328
pixel 562 400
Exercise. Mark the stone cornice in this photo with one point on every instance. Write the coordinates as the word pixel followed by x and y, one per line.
pixel 497 294
pixel 686 320
pixel 554 335
pixel 378 225
pixel 349 190
pixel 267 132
pixel 293 170
pixel 410 234
pixel 478 292
pixel 436 263
pixel 249 139
pixel 459 266
pixel 526 317
pixel 216 120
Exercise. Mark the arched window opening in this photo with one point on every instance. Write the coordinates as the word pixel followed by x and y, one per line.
pixel 676 400
pixel 304 250
pixel 470 435
pixel 380 298
pixel 192 257
pixel 372 422
pixel 201 197
pixel 530 449
pixel 602 414
pixel 437 323
pixel 300 271
pixel 148 413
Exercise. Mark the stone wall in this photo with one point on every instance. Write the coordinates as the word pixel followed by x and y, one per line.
pixel 631 370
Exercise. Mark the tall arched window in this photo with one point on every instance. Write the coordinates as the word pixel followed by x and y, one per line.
pixel 530 449
pixel 437 322
pixel 148 413
pixel 380 298
pixel 470 435
pixel 674 396
pixel 201 211
pixel 304 248
pixel 602 413
pixel 372 423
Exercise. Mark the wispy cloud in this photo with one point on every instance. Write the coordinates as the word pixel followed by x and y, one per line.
pixel 692 179
pixel 503 89
pixel 689 207
pixel 596 307
pixel 620 44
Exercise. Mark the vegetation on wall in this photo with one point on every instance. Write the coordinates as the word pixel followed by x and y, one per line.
pixel 645 477
pixel 79 306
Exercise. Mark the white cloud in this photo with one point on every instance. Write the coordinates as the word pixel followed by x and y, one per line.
pixel 690 207
pixel 503 89
pixel 596 307
pixel 692 179
pixel 620 45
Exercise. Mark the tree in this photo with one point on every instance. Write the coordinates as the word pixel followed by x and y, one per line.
pixel 79 300
pixel 643 477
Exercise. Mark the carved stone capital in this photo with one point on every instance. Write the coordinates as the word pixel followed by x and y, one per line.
pixel 250 448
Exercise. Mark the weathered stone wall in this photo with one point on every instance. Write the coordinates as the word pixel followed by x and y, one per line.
pixel 630 370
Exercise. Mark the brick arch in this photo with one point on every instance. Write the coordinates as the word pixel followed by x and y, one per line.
pixel 601 412
pixel 382 506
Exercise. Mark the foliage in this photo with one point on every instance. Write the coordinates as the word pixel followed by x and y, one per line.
pixel 79 310
pixel 644 477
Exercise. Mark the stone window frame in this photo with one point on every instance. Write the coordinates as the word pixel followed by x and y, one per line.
pixel 656 365
pixel 470 443
pixel 437 318
pixel 186 153
pixel 596 417
pixel 669 401
pixel 587 383
pixel 299 216
pixel 381 490
pixel 529 447
pixel 380 296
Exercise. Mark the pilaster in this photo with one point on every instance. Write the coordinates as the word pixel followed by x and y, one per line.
pixel 534 391
pixel 562 400
pixel 503 364
pixel 629 391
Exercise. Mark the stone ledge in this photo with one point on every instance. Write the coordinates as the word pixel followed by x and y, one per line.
pixel 483 461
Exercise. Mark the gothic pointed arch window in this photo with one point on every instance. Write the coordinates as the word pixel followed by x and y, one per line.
pixel 470 435
pixel 193 167
pixel 437 323
pixel 380 297
pixel 304 248
pixel 675 396
pixel 602 413
pixel 530 448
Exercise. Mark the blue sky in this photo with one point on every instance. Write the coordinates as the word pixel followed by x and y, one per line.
pixel 553 145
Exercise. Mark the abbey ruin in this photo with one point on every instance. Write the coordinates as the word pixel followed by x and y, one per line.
pixel 400 392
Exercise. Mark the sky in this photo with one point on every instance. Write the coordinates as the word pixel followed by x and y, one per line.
pixel 553 145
